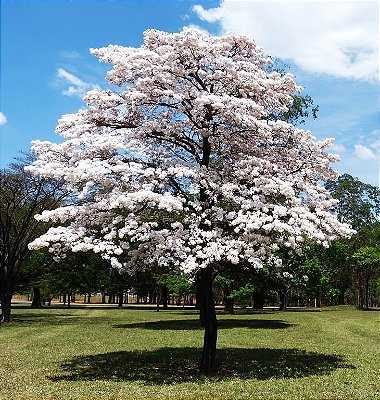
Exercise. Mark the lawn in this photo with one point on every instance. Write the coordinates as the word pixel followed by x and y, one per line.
pixel 102 353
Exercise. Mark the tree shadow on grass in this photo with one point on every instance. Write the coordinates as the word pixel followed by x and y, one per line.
pixel 42 318
pixel 194 324
pixel 30 319
pixel 174 365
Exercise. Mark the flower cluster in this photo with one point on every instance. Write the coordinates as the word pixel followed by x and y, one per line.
pixel 181 165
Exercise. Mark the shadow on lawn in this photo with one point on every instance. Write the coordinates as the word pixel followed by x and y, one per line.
pixel 193 324
pixel 43 318
pixel 173 365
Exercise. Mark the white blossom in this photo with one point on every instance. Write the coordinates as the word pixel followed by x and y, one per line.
pixel 179 164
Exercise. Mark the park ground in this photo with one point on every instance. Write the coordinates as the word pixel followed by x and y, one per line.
pixel 135 353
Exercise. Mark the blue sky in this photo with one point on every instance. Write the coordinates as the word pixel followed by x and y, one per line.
pixel 331 47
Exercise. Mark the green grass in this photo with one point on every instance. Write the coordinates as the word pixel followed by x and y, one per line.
pixel 102 353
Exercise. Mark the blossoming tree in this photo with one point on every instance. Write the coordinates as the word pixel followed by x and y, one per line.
pixel 186 135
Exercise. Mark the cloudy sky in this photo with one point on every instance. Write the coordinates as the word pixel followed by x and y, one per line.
pixel 331 47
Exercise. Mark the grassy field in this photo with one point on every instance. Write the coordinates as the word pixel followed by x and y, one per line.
pixel 101 353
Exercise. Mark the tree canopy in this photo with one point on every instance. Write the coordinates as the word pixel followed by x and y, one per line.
pixel 186 133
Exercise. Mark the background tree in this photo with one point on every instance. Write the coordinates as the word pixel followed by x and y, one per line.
pixel 335 263
pixel 179 287
pixel 22 196
pixel 32 277
pixel 367 267
pixel 358 202
pixel 358 205
pixel 95 274
pixel 188 132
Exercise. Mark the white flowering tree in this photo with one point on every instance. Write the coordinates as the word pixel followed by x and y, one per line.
pixel 186 136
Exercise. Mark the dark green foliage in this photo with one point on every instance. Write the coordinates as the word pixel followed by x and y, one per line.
pixel 358 205
pixel 243 296
pixel 301 109
pixel 358 202
pixel 367 260
pixel 178 285
pixel 22 196
pixel 84 273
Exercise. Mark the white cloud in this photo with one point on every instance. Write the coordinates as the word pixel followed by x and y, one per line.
pixel 70 55
pixel 3 119
pixel 376 136
pixel 364 152
pixel 337 148
pixel 77 86
pixel 365 170
pixel 336 38
pixel 210 15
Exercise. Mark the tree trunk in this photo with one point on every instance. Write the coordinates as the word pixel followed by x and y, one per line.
pixel 158 298
pixel 283 301
pixel 69 299
pixel 204 286
pixel 111 298
pixel 152 297
pixel 258 300
pixel 164 297
pixel 7 284
pixel 207 309
pixel 228 302
pixel 37 301
pixel 6 300
pixel 121 298
pixel 360 294
pixel 367 277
